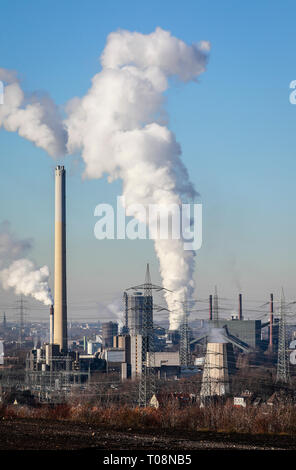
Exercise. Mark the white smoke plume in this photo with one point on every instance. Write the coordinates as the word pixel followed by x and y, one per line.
pixel 25 278
pixel 34 117
pixel 112 311
pixel 21 274
pixel 10 247
pixel 119 128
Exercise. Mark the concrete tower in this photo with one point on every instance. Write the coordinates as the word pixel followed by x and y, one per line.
pixel 60 290
pixel 215 379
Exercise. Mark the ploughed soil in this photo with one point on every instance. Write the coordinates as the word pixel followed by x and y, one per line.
pixel 48 435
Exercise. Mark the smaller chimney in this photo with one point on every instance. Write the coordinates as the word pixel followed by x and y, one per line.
pixel 271 323
pixel 240 307
pixel 51 320
pixel 210 307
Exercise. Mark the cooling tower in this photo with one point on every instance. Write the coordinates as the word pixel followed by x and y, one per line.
pixel 215 379
pixel 60 290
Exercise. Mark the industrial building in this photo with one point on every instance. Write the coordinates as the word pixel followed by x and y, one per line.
pixel 143 352
pixel 132 354
pixel 109 330
pixel 249 331
pixel 134 309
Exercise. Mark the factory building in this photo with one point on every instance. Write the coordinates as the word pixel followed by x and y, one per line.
pixel 93 346
pixel 109 330
pixel 134 309
pixel 248 331
pixel 167 358
pixel 116 355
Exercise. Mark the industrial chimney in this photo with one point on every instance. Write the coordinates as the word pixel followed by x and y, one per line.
pixel 51 323
pixel 271 324
pixel 210 307
pixel 60 290
pixel 240 307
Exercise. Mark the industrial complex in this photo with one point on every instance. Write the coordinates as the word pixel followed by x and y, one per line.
pixel 142 352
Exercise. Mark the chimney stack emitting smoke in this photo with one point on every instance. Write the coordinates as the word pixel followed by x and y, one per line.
pixel 271 323
pixel 210 307
pixel 51 324
pixel 119 127
pixel 60 289
pixel 20 273
pixel 240 307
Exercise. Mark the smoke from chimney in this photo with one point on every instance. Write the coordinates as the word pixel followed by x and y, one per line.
pixel 34 117
pixel 21 274
pixel 119 127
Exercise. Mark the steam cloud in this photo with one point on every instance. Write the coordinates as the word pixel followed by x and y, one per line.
pixel 22 275
pixel 119 128
pixel 112 311
pixel 36 118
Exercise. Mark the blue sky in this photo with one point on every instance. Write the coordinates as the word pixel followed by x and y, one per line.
pixel 236 128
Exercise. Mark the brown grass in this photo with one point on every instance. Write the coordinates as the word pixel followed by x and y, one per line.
pixel 279 420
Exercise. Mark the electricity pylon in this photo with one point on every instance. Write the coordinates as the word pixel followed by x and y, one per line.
pixel 282 375
pixel 22 323
pixel 215 309
pixel 185 356
pixel 147 384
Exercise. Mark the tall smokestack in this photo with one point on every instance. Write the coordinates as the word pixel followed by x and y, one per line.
pixel 271 323
pixel 51 323
pixel 210 307
pixel 60 290
pixel 240 307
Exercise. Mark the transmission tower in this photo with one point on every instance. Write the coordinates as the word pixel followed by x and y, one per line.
pixel 216 309
pixel 4 323
pixel 147 384
pixel 185 356
pixel 21 320
pixel 147 380
pixel 282 375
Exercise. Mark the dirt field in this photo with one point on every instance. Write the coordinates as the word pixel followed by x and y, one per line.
pixel 29 434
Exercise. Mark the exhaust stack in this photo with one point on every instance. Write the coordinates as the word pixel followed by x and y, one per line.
pixel 210 307
pixel 271 323
pixel 51 323
pixel 240 307
pixel 60 290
